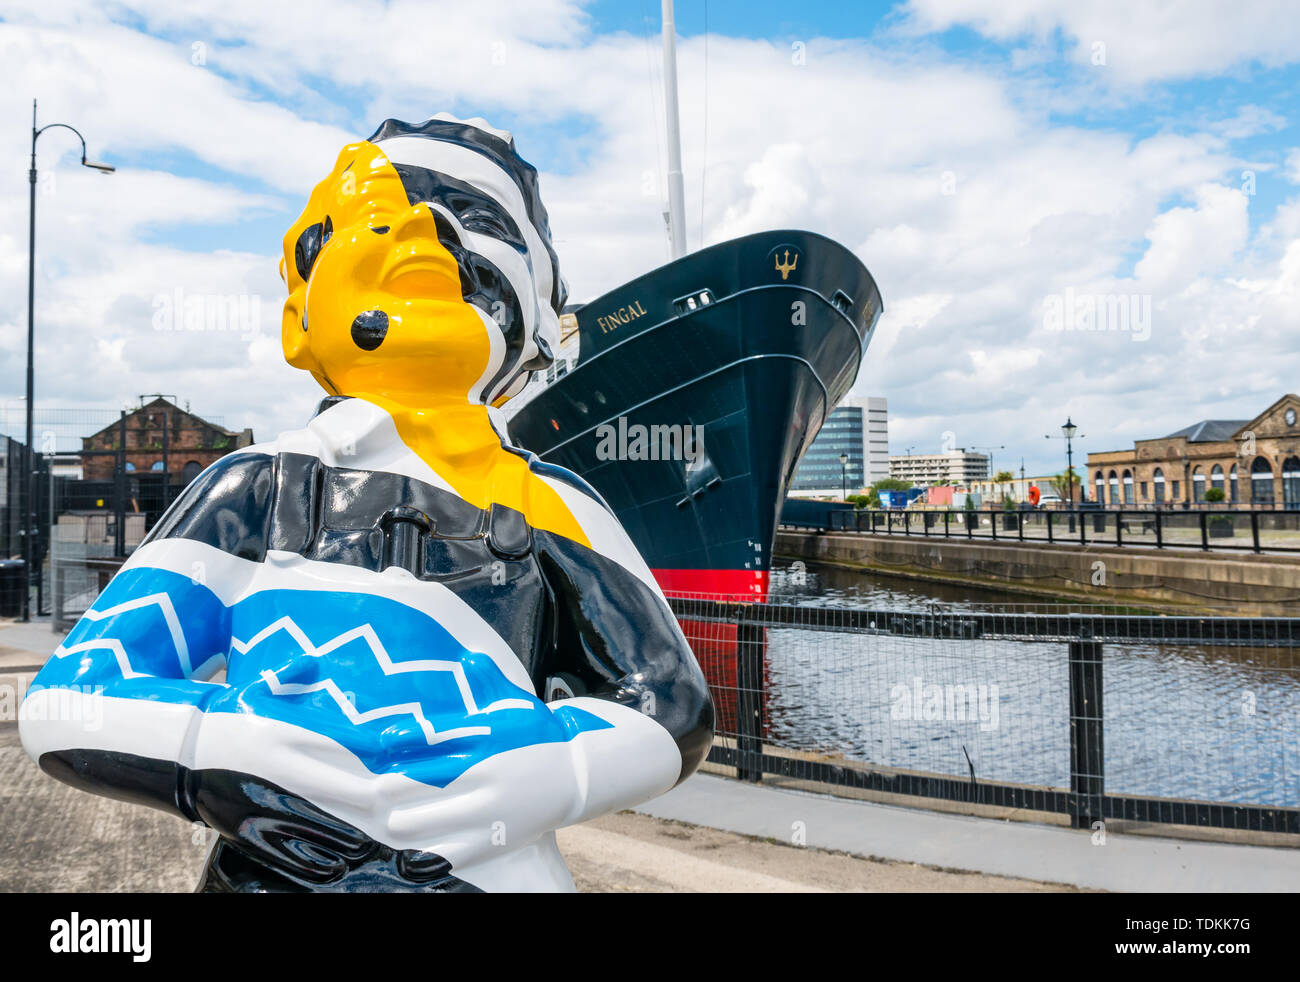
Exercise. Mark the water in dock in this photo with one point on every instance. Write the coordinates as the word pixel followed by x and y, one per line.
pixel 1216 723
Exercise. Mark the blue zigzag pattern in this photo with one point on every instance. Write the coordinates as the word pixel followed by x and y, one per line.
pixel 381 679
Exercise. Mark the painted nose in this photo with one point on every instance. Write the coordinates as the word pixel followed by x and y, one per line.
pixel 422 222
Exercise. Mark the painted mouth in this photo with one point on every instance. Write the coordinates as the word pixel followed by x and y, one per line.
pixel 420 274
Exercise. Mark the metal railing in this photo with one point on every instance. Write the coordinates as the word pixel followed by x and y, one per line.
pixel 1208 531
pixel 1086 712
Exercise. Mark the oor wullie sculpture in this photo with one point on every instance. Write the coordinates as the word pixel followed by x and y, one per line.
pixel 437 649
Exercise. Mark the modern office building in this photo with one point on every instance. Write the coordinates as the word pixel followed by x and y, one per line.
pixel 845 432
pixel 877 439
pixel 959 466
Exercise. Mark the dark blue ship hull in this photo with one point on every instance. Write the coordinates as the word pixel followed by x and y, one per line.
pixel 755 340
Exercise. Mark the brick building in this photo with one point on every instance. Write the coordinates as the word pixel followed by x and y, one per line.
pixel 192 443
pixel 1255 462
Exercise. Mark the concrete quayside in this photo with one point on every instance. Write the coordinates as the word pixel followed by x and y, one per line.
pixel 1181 581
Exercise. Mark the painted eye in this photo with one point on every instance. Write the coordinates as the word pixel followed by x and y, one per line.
pixel 379 229
pixel 307 249
pixel 328 232
pixel 482 220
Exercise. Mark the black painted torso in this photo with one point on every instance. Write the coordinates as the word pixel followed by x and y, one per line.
pixel 376 520
pixel 580 623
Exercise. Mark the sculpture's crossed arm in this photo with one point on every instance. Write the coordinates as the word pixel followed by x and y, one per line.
pixel 387 704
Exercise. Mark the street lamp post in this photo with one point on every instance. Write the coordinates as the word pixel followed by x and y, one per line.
pixel 29 512
pixel 1068 433
pixel 1069 429
pixel 844 476
pixel 990 450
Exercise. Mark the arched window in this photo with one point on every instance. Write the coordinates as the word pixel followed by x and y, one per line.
pixel 1128 487
pixel 130 466
pixel 157 466
pixel 1261 482
pixel 1198 484
pixel 1291 483
pixel 1232 484
pixel 1158 479
pixel 1114 488
pixel 1216 477
pixel 1101 488
pixel 191 471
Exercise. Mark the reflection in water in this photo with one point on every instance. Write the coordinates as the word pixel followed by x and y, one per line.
pixel 1208 723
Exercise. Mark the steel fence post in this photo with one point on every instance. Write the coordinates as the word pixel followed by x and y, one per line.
pixel 749 683
pixel 1087 767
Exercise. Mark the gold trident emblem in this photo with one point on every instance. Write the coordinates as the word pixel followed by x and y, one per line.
pixel 784 266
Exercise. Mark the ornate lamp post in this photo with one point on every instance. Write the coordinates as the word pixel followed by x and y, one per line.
pixel 1068 433
pixel 1068 429
pixel 29 509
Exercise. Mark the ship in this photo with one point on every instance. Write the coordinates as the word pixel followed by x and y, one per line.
pixel 687 396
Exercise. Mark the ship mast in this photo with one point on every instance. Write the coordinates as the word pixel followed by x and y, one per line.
pixel 676 214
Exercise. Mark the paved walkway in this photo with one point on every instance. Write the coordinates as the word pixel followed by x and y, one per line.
pixel 1016 849
pixel 25 646
pixel 54 838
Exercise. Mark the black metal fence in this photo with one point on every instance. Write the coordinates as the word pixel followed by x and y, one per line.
pixel 75 523
pixel 1085 712
pixel 1228 529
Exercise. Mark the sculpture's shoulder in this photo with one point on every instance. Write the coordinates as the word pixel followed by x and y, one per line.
pixel 573 486
pixel 229 504
pixel 596 540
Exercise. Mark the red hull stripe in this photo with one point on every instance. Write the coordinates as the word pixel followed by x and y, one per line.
pixel 730 582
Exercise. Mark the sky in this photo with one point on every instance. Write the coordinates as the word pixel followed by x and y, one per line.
pixel 998 165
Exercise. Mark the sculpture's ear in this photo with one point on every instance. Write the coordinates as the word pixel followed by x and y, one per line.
pixel 293 334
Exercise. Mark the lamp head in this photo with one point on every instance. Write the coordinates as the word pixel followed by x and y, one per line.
pixel 96 165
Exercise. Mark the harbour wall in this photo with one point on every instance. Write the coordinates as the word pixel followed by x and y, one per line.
pixel 1178 581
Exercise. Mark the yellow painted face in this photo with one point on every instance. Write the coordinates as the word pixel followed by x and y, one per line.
pixel 375 303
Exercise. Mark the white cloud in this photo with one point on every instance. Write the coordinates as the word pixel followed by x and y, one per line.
pixel 1142 41
pixel 1190 242
pixel 857 143
pixel 1292 172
